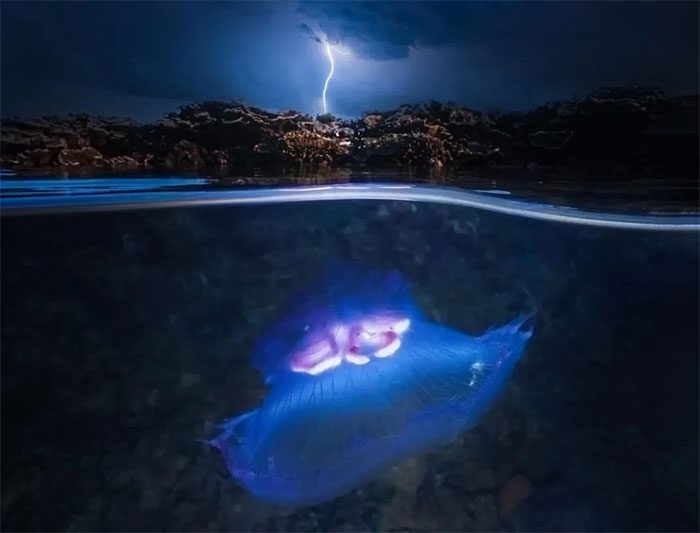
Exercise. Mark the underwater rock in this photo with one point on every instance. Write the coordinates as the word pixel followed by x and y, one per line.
pixel 359 381
pixel 485 513
pixel 189 380
pixel 513 494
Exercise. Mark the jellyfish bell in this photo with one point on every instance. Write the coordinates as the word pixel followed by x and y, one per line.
pixel 355 395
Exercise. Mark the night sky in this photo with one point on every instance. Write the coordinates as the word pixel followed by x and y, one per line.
pixel 143 59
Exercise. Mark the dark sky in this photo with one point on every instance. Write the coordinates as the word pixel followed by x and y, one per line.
pixel 142 59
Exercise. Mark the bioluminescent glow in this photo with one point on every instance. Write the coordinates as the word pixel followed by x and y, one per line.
pixel 331 60
pixel 356 344
pixel 359 380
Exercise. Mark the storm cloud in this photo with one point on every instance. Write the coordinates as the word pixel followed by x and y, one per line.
pixel 143 58
pixel 588 43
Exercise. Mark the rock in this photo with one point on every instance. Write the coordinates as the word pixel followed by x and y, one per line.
pixel 153 397
pixel 97 135
pixel 326 118
pixel 14 141
pixel 70 138
pixel 83 157
pixel 383 211
pixel 305 147
pixel 628 127
pixel 424 150
pixel 123 162
pixel 550 140
pixel 184 154
pixel 485 513
pixel 407 476
pixel 516 490
pixel 387 145
pixel 36 158
pixel 189 380
pixel 372 120
pixel 436 130
pixel 218 158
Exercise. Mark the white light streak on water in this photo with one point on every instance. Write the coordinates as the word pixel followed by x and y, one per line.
pixel 11 204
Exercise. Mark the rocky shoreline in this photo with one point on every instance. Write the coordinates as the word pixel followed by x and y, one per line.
pixel 627 128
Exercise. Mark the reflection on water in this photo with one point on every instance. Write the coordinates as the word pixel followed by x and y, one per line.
pixel 46 196
pixel 126 337
pixel 629 195
pixel 34 188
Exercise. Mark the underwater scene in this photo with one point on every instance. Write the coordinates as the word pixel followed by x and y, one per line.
pixel 310 266
pixel 335 358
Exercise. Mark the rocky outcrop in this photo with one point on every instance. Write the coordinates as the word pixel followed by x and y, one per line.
pixel 638 127
pixel 632 127
pixel 309 147
pixel 429 134
pixel 75 141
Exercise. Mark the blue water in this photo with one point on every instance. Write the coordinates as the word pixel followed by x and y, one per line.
pixel 131 309
pixel 26 196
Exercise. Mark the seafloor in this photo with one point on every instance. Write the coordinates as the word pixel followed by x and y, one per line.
pixel 126 337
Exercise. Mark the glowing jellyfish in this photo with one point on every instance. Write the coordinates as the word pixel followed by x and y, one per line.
pixel 358 381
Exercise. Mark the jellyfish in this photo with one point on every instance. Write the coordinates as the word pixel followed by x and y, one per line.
pixel 358 381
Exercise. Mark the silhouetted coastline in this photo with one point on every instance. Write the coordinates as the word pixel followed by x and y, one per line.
pixel 617 131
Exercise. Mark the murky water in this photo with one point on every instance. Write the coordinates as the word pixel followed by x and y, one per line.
pixel 127 334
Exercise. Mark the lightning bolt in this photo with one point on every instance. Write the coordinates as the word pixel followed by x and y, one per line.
pixel 329 53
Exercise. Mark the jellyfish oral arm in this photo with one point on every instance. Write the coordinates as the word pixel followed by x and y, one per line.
pixel 389 349
pixel 355 343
